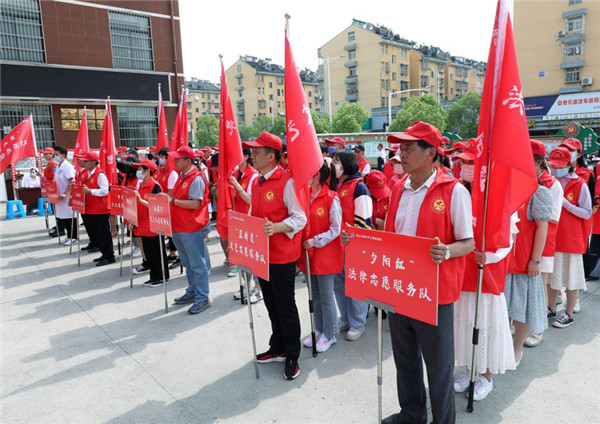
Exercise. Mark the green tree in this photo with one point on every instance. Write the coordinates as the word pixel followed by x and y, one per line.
pixel 208 131
pixel 463 116
pixel 279 128
pixel 419 108
pixel 321 123
pixel 349 118
pixel 263 124
pixel 247 132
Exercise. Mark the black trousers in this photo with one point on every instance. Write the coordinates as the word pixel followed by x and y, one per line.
pixel 88 230
pixel 152 246
pixel 279 296
pixel 99 226
pixel 411 341
pixel 65 225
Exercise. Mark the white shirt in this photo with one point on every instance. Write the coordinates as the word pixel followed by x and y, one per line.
pixel 173 177
pixel 64 174
pixel 583 208
pixel 407 216
pixel 102 183
pixel 557 193
pixel 29 181
pixel 366 169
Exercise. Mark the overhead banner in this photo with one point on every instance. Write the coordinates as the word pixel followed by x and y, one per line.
pixel 248 243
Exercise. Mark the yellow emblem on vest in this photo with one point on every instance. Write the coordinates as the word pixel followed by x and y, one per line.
pixel 438 205
pixel 146 196
pixel 344 193
pixel 92 181
pixel 385 207
pixel 570 197
pixel 320 212
pixel 184 185
pixel 244 186
pixel 269 195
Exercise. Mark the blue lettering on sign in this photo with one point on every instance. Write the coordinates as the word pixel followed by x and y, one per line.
pixel 543 73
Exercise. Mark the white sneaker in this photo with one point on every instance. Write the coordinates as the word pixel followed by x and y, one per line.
pixel 137 252
pixel 483 387
pixel 308 341
pixel 355 333
pixel 255 296
pixel 577 307
pixel 64 242
pixel 69 242
pixel 462 384
pixel 237 295
pixel 533 340
pixel 325 343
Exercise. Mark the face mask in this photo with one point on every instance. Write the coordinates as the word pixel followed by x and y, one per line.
pixel 140 175
pixel 58 158
pixel 118 159
pixel 162 162
pixel 331 150
pixel 32 174
pixel 573 156
pixel 398 169
pixel 310 182
pixel 339 170
pixel 559 173
pixel 466 173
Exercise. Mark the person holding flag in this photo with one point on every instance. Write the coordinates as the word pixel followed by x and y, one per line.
pixel 427 203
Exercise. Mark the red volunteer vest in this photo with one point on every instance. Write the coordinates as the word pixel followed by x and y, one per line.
pixel 585 174
pixel 50 169
pixel 494 275
pixel 596 216
pixel 572 236
pixel 435 221
pixel 550 247
pixel 328 259
pixel 362 164
pixel 82 176
pixel 189 220
pixel 267 202
pixel 143 227
pixel 524 243
pixel 163 178
pixel 346 195
pixel 95 205
pixel 238 204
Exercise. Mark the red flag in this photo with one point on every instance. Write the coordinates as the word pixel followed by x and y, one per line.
pixel 304 154
pixel 18 144
pixel 510 177
pixel 230 155
pixel 180 134
pixel 82 144
pixel 163 138
pixel 107 148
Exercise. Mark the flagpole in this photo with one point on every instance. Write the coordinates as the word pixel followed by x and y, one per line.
pixel 311 306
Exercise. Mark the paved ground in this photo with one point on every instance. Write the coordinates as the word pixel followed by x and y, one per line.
pixel 80 346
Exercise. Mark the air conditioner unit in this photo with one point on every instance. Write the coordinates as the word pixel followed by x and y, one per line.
pixel 587 81
pixel 561 33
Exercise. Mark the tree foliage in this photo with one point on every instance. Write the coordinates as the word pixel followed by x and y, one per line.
pixel 419 108
pixel 207 133
pixel 463 116
pixel 349 118
pixel 321 123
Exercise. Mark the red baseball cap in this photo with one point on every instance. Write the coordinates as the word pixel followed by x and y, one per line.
pixel 538 148
pixel 377 184
pixel 199 154
pixel 572 143
pixel 393 148
pixel 265 139
pixel 445 140
pixel 183 152
pixel 469 150
pixel 122 149
pixel 48 150
pixel 559 157
pixel 90 156
pixel 419 130
pixel 456 146
pixel 334 140
pixel 148 164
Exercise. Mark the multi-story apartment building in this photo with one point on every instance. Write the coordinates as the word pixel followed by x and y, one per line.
pixel 203 98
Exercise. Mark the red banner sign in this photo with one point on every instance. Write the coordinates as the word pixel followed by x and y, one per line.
pixel 248 243
pixel 160 214
pixel 130 206
pixel 52 192
pixel 78 198
pixel 395 270
pixel 116 200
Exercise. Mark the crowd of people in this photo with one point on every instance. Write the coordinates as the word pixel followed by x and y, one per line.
pixel 547 262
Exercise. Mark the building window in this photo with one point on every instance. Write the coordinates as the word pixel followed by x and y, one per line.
pixel 572 75
pixel 12 114
pixel 310 94
pixel 424 81
pixel 451 91
pixel 239 68
pixel 383 102
pixel 403 85
pixel 239 82
pixel 188 105
pixel 352 54
pixel 575 25
pixel 403 69
pixel 382 66
pixel 394 59
pixel 451 77
pixel 574 49
pixel 352 71
pixel 131 41
pixel 71 119
pixel 573 2
pixel 271 97
pixel 197 110
pixel 203 105
pixel 394 76
pixel 270 84
pixel 21 31
pixel 137 125
pixel 382 83
pixel 241 93
pixel 278 92
pixel 382 49
pixel 351 36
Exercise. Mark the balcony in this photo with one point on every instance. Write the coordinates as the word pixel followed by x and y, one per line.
pixel 351 80
pixel 350 64
pixel 572 64
pixel 239 88
pixel 351 46
pixel 238 75
pixel 352 97
pixel 239 101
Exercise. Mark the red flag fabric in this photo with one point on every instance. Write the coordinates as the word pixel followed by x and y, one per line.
pixel 511 178
pixel 230 155
pixel 82 144
pixel 304 152
pixel 18 144
pixel 107 148
pixel 163 138
pixel 180 134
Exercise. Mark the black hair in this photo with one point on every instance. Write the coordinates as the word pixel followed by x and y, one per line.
pixel 132 151
pixel 425 145
pixel 214 161
pixel 324 173
pixel 246 151
pixel 277 153
pixel 380 145
pixel 391 154
pixel 61 149
pixel 581 161
pixel 164 151
pixel 323 148
pixel 348 161
pixel 145 168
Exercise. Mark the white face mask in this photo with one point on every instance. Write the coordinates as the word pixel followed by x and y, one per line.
pixel 58 158
pixel 398 169
pixel 139 174
pixel 32 174
pixel 339 170
pixel 559 173
pixel 162 162
pixel 466 173
pixel 573 156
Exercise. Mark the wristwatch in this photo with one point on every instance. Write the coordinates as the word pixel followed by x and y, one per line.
pixel 536 261
pixel 447 253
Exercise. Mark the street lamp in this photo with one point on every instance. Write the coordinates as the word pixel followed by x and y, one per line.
pixel 329 84
pixel 390 94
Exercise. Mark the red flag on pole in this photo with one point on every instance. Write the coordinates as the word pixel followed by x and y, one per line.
pixel 18 144
pixel 82 144
pixel 163 138
pixel 230 155
pixel 179 136
pixel 108 163
pixel 304 153
pixel 504 180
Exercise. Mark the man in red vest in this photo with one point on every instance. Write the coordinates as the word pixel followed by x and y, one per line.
pixel 97 208
pixel 429 204
pixel 189 219
pixel 274 198
pixel 363 166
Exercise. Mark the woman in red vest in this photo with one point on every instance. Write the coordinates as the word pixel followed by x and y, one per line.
pixel 357 210
pixel 150 240
pixel 571 237
pixel 525 296
pixel 495 354
pixel 326 256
